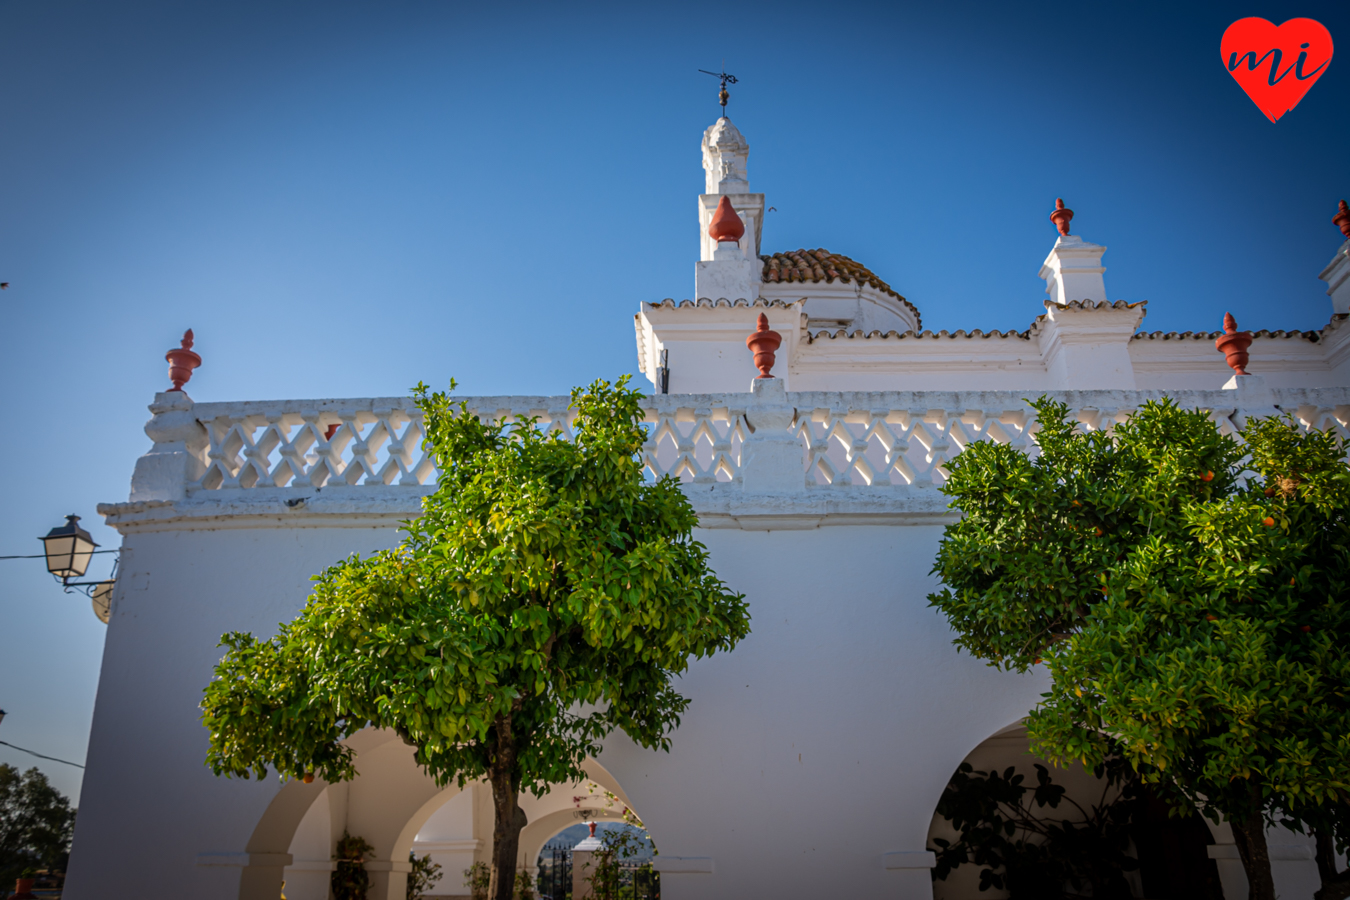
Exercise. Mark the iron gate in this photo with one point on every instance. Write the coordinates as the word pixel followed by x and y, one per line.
pixel 636 881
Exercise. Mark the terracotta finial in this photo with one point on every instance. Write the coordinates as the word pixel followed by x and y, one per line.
pixel 725 225
pixel 1061 217
pixel 181 362
pixel 1342 219
pixel 763 343
pixel 1233 344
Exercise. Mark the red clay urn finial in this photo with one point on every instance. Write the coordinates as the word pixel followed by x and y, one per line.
pixel 1233 344
pixel 725 225
pixel 763 343
pixel 1342 219
pixel 1061 217
pixel 181 362
pixel 592 824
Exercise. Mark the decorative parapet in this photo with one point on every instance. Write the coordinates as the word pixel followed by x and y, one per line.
pixel 892 440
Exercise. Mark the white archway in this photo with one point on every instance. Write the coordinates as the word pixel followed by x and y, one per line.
pixel 388 804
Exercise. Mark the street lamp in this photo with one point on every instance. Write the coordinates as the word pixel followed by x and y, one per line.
pixel 68 549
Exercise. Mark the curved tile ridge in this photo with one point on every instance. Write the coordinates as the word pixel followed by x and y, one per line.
pixel 790 266
pixel 1086 305
pixel 724 303
pixel 1313 336
pixel 859 334
pixel 1096 304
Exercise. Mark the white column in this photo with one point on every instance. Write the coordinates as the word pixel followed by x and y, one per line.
pixel 771 459
pixel 178 456
pixel 729 275
pixel 1253 398
pixel 1086 346
pixel 388 879
pixel 583 866
pixel 1073 271
pixel 1337 277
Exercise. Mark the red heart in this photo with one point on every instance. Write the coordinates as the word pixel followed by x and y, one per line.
pixel 1276 65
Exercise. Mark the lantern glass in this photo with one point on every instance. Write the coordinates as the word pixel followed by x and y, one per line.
pixel 101 597
pixel 69 549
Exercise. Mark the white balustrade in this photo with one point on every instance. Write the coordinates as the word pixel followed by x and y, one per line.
pixel 879 439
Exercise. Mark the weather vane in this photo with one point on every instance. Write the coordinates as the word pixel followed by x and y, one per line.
pixel 722 95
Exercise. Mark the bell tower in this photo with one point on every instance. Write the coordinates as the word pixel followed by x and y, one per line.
pixel 726 155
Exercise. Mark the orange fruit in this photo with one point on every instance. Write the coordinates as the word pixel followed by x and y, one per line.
pixel 1208 476
pixel 1211 618
pixel 1268 522
pixel 1305 628
pixel 309 778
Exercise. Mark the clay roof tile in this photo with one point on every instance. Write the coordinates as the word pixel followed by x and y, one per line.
pixel 821 265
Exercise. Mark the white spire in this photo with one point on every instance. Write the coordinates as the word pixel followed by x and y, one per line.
pixel 725 156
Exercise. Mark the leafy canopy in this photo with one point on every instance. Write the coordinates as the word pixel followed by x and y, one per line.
pixel 547 595
pixel 1187 593
pixel 36 823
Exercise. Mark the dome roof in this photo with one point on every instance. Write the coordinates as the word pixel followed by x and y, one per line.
pixel 822 265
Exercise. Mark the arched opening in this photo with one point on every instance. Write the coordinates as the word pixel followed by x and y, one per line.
pixel 632 874
pixel 311 851
pixel 394 806
pixel 450 839
pixel 1171 854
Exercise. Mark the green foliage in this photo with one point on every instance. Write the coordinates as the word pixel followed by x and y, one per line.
pixel 423 877
pixel 1029 852
pixel 477 877
pixel 1190 604
pixel 36 824
pixel 608 877
pixel 524 886
pixel 349 880
pixel 547 595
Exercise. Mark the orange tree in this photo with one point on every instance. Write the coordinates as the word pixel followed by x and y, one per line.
pixel 547 595
pixel 1188 595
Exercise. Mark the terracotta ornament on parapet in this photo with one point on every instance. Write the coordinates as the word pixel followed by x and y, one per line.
pixel 1233 344
pixel 181 362
pixel 763 343
pixel 1061 217
pixel 725 224
pixel 1342 219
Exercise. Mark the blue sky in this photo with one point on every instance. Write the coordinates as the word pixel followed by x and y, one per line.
pixel 345 198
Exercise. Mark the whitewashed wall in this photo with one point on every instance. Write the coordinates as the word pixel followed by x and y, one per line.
pixel 810 760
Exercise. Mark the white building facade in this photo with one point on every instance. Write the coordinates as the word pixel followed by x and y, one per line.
pixel 812 757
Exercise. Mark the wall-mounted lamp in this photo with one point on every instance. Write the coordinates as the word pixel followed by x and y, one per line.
pixel 68 549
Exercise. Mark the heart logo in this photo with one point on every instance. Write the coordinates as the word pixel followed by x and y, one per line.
pixel 1276 65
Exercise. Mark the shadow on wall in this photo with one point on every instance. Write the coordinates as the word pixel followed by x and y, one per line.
pixel 1172 854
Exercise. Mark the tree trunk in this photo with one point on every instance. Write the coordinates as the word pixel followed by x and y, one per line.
pixel 1250 836
pixel 1335 885
pixel 509 819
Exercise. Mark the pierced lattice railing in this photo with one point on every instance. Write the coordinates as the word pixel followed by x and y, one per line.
pixel 878 439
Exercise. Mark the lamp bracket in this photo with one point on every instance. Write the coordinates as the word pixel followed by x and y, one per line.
pixel 87 587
